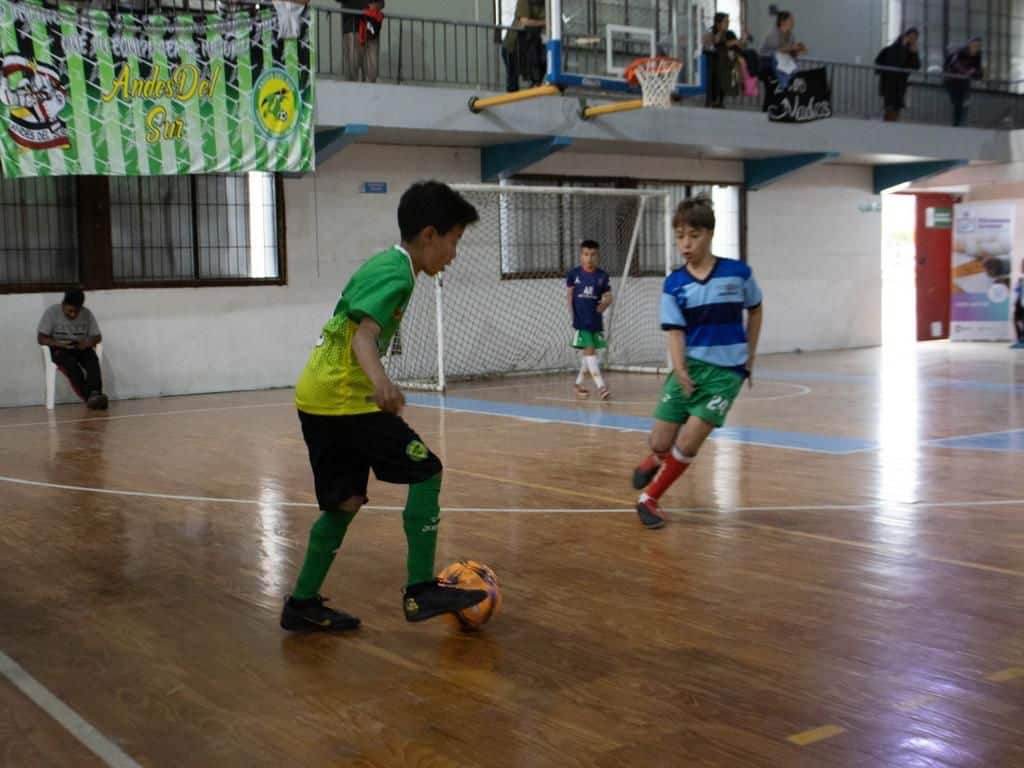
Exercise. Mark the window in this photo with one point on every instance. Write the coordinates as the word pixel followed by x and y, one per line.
pixel 198 228
pixel 151 228
pixel 532 235
pixel 38 232
pixel 540 234
pixel 140 231
pixel 727 200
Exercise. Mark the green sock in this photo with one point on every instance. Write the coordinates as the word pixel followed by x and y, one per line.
pixel 421 517
pixel 325 537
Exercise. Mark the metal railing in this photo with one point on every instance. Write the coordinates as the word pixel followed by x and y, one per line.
pixel 422 51
pixel 855 94
pixel 419 51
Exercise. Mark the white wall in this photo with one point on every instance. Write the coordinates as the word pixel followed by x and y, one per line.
pixel 185 341
pixel 815 253
pixel 670 169
pixel 818 259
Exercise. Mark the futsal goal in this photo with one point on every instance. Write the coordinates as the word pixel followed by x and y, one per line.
pixel 500 308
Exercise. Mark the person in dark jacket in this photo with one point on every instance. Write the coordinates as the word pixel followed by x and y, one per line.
pixel 892 86
pixel 523 50
pixel 715 48
pixel 962 66
pixel 360 38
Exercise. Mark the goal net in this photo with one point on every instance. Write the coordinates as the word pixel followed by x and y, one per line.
pixel 500 308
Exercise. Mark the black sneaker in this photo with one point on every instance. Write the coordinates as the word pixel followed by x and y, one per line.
pixel 313 615
pixel 642 477
pixel 650 514
pixel 432 598
pixel 97 402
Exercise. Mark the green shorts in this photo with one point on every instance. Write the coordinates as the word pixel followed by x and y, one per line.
pixel 586 339
pixel 715 389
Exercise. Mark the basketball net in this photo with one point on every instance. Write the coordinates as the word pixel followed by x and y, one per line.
pixel 657 78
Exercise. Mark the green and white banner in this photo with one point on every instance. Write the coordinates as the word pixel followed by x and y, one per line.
pixel 87 92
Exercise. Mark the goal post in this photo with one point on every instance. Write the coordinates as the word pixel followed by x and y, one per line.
pixel 500 309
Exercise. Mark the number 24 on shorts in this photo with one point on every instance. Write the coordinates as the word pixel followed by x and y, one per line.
pixel 718 404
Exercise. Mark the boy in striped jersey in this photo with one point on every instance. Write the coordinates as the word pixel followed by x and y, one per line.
pixel 702 307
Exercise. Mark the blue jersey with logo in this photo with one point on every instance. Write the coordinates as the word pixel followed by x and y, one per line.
pixel 588 288
pixel 710 311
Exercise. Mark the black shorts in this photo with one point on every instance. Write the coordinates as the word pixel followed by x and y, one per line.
pixel 343 449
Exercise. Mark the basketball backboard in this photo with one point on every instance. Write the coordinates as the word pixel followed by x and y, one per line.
pixel 590 43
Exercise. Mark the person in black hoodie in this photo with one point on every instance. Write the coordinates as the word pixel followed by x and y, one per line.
pixel 902 54
pixel 715 47
pixel 964 65
pixel 360 43
pixel 523 51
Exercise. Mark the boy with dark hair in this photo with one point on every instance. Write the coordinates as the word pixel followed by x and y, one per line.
pixel 349 411
pixel 72 333
pixel 702 308
pixel 589 293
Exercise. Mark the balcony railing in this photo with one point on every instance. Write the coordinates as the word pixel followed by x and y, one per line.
pixel 855 94
pixel 419 51
pixel 423 51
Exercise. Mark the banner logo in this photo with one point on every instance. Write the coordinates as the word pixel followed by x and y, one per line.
pixel 277 103
pixel 35 96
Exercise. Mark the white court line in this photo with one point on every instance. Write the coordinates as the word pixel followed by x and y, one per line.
pixel 144 415
pixel 585 401
pixel 456 391
pixel 804 390
pixel 439 407
pixel 567 510
pixel 216 409
pixel 70 720
pixel 975 435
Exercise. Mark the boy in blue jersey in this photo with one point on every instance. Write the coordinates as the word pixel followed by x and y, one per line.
pixel 702 306
pixel 588 291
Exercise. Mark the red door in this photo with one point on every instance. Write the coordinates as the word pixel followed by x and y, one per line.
pixel 933 240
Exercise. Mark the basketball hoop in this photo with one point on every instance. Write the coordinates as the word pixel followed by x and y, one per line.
pixel 657 78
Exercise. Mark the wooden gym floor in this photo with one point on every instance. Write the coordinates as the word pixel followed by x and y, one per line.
pixel 842 583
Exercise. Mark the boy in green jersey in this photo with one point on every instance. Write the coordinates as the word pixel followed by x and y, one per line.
pixel 349 410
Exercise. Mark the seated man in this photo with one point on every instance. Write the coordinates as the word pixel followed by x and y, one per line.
pixel 72 333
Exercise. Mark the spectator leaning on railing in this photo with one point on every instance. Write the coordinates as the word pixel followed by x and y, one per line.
pixel 523 50
pixel 723 52
pixel 714 46
pixel 892 85
pixel 361 38
pixel 964 64
pixel 778 55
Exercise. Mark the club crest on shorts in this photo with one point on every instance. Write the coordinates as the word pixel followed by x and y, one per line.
pixel 416 451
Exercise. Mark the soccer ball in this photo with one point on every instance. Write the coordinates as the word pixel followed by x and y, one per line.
pixel 469 574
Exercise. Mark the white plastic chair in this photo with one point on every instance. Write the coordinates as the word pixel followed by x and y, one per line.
pixel 50 373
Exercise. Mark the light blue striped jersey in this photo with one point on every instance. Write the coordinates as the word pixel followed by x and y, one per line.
pixel 710 311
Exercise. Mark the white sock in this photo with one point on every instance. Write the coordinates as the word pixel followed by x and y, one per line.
pixel 681 457
pixel 583 373
pixel 595 370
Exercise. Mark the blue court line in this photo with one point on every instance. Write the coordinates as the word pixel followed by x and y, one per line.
pixel 968 384
pixel 797 441
pixel 1010 440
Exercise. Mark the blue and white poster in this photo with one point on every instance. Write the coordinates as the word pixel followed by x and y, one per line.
pixel 982 269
